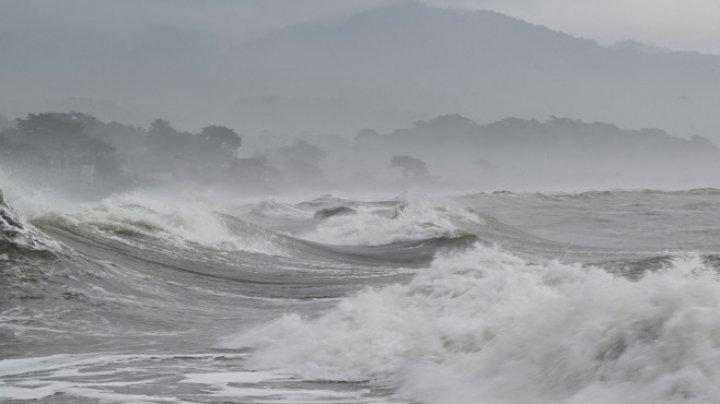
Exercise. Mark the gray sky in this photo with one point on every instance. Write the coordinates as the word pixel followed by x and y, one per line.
pixel 675 24
pixel 137 59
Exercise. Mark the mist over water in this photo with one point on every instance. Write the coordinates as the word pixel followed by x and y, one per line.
pixel 378 202
pixel 504 297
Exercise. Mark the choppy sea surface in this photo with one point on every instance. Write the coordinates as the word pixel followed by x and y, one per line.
pixel 594 297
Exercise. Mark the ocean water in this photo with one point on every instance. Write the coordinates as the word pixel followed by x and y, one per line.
pixel 595 297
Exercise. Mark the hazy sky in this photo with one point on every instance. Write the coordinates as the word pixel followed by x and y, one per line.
pixel 144 56
pixel 675 24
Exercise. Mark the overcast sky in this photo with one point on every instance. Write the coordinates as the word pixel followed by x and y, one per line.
pixel 675 24
pixel 137 59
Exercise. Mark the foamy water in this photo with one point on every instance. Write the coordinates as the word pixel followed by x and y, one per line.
pixel 487 326
pixel 565 298
pixel 414 219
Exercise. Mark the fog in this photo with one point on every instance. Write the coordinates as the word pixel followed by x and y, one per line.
pixel 360 201
pixel 688 25
pixel 275 97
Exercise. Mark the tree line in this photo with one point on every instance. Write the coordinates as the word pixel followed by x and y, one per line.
pixel 77 150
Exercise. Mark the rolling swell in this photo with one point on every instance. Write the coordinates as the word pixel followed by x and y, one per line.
pixel 535 321
pixel 411 253
pixel 249 273
pixel 448 317
pixel 133 250
pixel 124 269
pixel 370 228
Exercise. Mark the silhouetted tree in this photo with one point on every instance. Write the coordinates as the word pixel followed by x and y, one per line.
pixel 21 154
pixel 57 146
pixel 221 136
pixel 411 166
pixel 61 135
pixel 163 138
pixel 51 130
pixel 216 145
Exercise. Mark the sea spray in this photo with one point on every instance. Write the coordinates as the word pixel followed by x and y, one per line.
pixel 488 326
pixel 408 220
pixel 17 236
pixel 175 221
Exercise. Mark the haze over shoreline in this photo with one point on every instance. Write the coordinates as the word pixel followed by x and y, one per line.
pixel 347 70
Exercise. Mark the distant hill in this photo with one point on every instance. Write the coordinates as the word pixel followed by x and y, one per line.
pixel 383 68
pixel 480 63
pixel 513 150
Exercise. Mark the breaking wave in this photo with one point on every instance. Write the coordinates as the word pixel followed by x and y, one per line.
pixel 17 237
pixel 137 217
pixel 488 326
pixel 408 297
pixel 406 220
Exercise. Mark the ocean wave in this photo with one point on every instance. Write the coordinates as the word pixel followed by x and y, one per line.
pixel 407 220
pixel 136 217
pixel 275 209
pixel 18 237
pixel 487 326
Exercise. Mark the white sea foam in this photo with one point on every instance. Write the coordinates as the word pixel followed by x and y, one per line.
pixel 54 375
pixel 413 219
pixel 122 378
pixel 16 231
pixel 174 220
pixel 487 326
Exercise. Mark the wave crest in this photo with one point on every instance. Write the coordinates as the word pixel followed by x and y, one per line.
pixel 407 220
pixel 133 218
pixel 488 326
pixel 18 237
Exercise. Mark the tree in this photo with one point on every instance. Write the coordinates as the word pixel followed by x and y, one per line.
pixel 57 148
pixel 216 145
pixel 51 130
pixel 222 137
pixel 62 135
pixel 163 138
pixel 411 166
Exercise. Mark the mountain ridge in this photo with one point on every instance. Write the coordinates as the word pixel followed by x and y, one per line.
pixel 480 63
